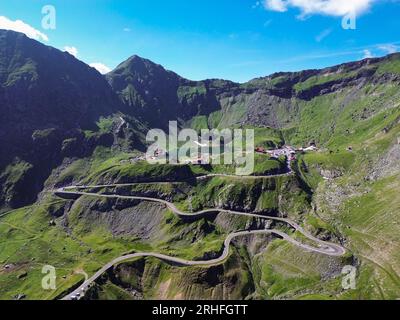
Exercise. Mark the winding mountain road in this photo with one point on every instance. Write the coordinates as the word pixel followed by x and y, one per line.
pixel 322 247
pixel 212 175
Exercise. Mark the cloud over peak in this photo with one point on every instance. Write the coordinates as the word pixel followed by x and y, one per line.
pixel 100 67
pixel 367 54
pixel 71 50
pixel 20 26
pixel 324 7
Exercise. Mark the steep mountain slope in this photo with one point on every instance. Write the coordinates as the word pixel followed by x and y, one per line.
pixel 158 96
pixel 47 99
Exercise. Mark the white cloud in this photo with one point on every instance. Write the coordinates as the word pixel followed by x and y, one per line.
pixel 22 27
pixel 71 50
pixel 100 67
pixel 324 7
pixel 367 54
pixel 276 5
pixel 325 33
pixel 127 29
pixel 389 48
pixel 267 23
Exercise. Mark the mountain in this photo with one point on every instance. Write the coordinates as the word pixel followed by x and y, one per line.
pixel 46 97
pixel 50 101
pixel 158 96
pixel 346 193
pixel 37 80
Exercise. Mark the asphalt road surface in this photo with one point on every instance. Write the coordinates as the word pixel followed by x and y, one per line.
pixel 321 247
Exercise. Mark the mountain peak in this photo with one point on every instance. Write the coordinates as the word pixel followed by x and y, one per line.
pixel 138 65
pixel 40 79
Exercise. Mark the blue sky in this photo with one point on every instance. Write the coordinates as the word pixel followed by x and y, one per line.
pixel 236 39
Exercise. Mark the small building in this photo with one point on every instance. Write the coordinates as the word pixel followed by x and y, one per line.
pixel 310 148
pixel 260 150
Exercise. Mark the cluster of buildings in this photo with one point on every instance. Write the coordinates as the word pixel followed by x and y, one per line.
pixel 158 153
pixel 287 151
